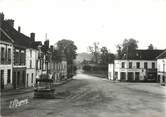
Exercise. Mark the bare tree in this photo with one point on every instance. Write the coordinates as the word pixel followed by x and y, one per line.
pixel 95 51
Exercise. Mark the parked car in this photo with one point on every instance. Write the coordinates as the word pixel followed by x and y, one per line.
pixel 44 88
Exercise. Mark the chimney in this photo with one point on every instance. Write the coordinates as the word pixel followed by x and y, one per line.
pixel 52 48
pixel 19 29
pixel 10 22
pixel 32 36
pixel 1 16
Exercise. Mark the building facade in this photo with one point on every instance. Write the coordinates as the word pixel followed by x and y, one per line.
pixel 58 66
pixel 30 67
pixel 21 45
pixel 161 67
pixel 141 66
pixel 6 60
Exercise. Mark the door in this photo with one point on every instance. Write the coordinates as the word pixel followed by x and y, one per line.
pixel 130 76
pixel 122 76
pixel 2 79
pixel 14 80
pixel 137 75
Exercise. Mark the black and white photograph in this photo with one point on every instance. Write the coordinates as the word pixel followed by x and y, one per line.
pixel 82 58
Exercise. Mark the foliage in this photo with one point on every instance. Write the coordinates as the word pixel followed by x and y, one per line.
pixel 127 47
pixel 106 57
pixel 150 47
pixel 56 56
pixel 67 48
pixel 95 68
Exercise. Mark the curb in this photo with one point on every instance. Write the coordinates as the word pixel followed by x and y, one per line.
pixel 31 89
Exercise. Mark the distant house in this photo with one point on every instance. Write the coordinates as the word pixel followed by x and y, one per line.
pixel 141 65
pixel 161 67
pixel 6 59
pixel 58 66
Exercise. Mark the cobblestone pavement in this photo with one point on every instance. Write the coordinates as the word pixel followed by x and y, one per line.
pixel 88 96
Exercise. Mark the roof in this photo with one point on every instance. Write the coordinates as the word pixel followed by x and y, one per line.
pixel 143 55
pixel 162 55
pixel 36 44
pixel 18 38
pixel 5 36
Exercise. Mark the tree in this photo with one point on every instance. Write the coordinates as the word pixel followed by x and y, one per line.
pixel 119 51
pixel 95 51
pixel 127 48
pixel 111 58
pixel 150 47
pixel 104 55
pixel 68 48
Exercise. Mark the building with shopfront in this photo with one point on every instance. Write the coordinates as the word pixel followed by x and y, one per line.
pixel 141 65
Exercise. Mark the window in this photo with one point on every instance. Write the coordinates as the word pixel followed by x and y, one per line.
pixel 9 56
pixel 30 53
pixel 145 65
pixel 138 64
pixel 22 59
pixel 27 75
pixel 8 75
pixel 16 57
pixel 32 78
pixel 30 63
pixel 2 55
pixel 153 65
pixel 123 64
pixel 36 64
pixel 40 64
pixel 130 64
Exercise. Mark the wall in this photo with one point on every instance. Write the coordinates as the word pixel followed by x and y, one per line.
pixel 30 67
pixel 110 71
pixel 6 65
pixel 126 68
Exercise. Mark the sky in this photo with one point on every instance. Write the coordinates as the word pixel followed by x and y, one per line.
pixel 108 22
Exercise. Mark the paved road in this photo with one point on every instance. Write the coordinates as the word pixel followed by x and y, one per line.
pixel 88 96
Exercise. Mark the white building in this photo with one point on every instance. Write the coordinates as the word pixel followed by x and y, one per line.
pixel 6 60
pixel 31 61
pixel 139 66
pixel 30 67
pixel 161 67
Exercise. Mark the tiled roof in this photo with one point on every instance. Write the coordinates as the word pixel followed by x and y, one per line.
pixel 162 55
pixel 5 37
pixel 143 55
pixel 19 38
